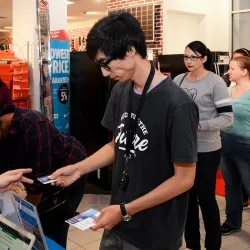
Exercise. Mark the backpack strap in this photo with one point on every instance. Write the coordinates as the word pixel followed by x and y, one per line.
pixel 183 78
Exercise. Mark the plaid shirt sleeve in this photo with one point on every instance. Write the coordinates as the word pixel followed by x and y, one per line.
pixel 38 149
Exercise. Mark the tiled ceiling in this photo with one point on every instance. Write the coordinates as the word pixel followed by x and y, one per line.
pixel 75 11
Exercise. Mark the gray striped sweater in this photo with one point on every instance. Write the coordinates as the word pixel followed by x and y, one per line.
pixel 215 108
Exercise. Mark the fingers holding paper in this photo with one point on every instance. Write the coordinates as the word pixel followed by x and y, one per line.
pixel 108 218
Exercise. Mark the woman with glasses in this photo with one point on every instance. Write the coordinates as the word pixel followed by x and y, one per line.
pixel 210 93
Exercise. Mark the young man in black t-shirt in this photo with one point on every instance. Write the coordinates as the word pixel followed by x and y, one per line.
pixel 154 165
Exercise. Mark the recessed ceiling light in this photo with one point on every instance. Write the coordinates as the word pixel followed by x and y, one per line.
pixel 93 12
pixel 69 2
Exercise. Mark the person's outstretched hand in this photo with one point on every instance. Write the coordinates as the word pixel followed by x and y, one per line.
pixel 11 180
pixel 66 176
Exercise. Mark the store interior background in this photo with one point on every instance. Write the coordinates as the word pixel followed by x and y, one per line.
pixel 177 22
pixel 223 25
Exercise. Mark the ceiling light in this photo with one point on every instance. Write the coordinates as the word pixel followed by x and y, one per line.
pixel 69 2
pixel 5 31
pixel 93 12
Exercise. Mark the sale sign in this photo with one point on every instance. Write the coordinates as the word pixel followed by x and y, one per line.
pixel 60 73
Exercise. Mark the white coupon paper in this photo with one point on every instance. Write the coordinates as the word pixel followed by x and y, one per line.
pixel 84 220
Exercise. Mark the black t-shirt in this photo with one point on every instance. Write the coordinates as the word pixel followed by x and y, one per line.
pixel 166 133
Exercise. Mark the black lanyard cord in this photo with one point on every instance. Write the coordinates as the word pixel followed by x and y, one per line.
pixel 132 124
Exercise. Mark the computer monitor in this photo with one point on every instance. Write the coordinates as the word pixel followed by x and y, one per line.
pixel 13 237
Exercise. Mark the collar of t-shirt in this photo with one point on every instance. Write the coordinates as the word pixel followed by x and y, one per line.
pixel 139 93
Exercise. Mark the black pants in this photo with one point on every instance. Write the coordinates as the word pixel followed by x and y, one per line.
pixel 203 194
pixel 244 194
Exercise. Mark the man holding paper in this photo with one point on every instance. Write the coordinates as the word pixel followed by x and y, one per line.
pixel 154 149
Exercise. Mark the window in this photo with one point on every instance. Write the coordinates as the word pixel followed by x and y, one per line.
pixel 145 15
pixel 241 5
pixel 241 30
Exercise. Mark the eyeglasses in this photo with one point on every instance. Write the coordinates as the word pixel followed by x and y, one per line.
pixel 192 58
pixel 104 65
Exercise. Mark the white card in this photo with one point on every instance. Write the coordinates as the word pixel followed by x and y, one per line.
pixel 46 179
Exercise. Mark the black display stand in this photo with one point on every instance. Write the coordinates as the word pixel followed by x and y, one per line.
pixel 90 92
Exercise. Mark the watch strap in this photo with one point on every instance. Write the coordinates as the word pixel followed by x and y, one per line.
pixel 123 209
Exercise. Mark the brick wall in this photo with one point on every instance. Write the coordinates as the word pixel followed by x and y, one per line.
pixel 158 43
pixel 5 38
pixel 80 32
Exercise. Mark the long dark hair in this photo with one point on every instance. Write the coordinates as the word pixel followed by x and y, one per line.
pixel 201 48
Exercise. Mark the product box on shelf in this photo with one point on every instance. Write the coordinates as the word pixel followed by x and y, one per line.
pixel 19 93
pixel 7 55
pixel 20 84
pixel 19 67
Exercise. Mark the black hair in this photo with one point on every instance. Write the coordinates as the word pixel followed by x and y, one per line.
pixel 115 35
pixel 201 48
pixel 242 51
pixel 5 108
pixel 2 84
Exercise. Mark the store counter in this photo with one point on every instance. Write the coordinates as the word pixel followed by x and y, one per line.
pixel 52 245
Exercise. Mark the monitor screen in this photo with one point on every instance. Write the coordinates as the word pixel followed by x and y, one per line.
pixel 11 239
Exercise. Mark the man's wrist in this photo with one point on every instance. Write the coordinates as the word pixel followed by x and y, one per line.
pixel 130 208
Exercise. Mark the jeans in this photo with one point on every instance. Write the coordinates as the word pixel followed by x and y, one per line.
pixel 203 194
pixel 236 171
pixel 111 241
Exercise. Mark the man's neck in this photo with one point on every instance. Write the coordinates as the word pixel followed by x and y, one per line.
pixel 141 73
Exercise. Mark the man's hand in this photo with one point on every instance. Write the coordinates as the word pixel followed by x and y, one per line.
pixel 109 217
pixel 11 180
pixel 66 175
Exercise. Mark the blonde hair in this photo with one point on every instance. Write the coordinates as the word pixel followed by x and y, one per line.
pixel 243 62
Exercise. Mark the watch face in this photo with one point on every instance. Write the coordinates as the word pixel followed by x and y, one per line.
pixel 127 218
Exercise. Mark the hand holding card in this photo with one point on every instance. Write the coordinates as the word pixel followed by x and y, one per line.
pixel 46 179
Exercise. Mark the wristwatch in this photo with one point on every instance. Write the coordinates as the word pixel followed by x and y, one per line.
pixel 125 216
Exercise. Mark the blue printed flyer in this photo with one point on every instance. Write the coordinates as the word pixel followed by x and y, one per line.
pixel 84 220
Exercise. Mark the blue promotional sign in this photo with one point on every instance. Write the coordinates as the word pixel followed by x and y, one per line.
pixel 60 74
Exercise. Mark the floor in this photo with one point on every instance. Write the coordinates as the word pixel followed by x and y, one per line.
pixel 90 240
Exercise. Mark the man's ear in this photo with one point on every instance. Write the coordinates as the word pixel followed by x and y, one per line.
pixel 131 53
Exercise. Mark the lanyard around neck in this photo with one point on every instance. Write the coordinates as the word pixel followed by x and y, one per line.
pixel 132 124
